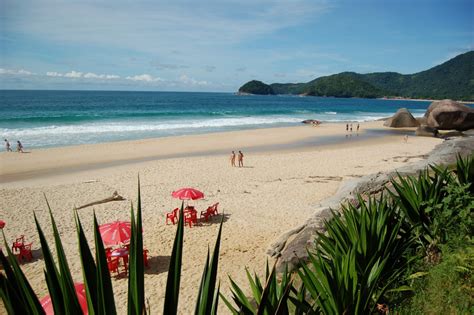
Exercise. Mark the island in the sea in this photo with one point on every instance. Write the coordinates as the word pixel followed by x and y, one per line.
pixel 453 79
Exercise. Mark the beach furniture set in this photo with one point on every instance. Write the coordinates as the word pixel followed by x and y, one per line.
pixel 22 250
pixel 190 213
pixel 116 236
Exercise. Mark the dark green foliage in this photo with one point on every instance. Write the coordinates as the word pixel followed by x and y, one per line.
pixel 288 88
pixel 174 271
pixel 256 87
pixel 342 85
pixel 435 202
pixel 452 79
pixel 361 254
pixel 273 298
pixel 16 292
pixel 207 300
pixel 445 288
pixel 465 171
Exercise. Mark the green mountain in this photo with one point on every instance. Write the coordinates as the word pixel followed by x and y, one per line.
pixel 256 87
pixel 453 79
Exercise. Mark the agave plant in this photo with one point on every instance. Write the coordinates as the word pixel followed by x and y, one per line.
pixel 417 196
pixel 465 171
pixel 357 259
pixel 272 298
pixel 19 297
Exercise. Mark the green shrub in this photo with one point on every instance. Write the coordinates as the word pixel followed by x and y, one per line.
pixel 358 258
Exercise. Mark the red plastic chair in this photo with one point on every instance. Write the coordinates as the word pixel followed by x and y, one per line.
pixel 25 252
pixel 113 265
pixel 18 244
pixel 214 209
pixel 207 213
pixel 173 215
pixel 190 218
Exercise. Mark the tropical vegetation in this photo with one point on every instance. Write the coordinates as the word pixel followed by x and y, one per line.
pixel 450 80
pixel 408 251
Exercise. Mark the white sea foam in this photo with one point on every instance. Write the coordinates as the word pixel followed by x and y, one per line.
pixel 140 126
pixel 330 113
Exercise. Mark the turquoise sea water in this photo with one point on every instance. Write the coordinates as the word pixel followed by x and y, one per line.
pixel 59 118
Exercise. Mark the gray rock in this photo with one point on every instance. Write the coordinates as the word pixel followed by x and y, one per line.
pixel 291 247
pixel 311 122
pixel 425 131
pixel 402 118
pixel 421 120
pixel 449 115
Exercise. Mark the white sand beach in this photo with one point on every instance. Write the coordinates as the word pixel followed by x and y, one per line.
pixel 276 190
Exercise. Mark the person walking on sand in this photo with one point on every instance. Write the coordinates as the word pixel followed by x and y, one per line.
pixel 351 127
pixel 241 159
pixel 19 147
pixel 357 127
pixel 7 146
pixel 232 159
pixel 347 127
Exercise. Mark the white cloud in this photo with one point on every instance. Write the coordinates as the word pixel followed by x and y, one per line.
pixel 54 74
pixel 91 75
pixel 16 72
pixel 73 74
pixel 190 81
pixel 144 78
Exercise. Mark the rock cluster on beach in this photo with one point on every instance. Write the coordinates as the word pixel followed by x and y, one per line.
pixel 440 115
pixel 402 118
pixel 449 115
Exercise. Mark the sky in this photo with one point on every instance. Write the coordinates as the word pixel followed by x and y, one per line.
pixel 217 46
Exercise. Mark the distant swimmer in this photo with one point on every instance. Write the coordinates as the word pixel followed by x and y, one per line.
pixel 7 146
pixel 241 159
pixel 19 147
pixel 232 159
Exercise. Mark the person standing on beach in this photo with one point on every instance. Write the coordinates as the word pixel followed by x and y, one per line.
pixel 357 127
pixel 19 147
pixel 347 127
pixel 7 146
pixel 241 159
pixel 232 159
pixel 351 127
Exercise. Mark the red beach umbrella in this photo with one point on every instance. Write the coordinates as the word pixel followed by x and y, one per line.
pixel 116 232
pixel 187 194
pixel 2 224
pixel 47 304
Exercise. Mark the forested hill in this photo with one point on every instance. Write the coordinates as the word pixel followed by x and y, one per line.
pixel 453 79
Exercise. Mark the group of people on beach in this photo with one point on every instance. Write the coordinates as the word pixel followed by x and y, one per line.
pixel 240 159
pixel 19 146
pixel 350 126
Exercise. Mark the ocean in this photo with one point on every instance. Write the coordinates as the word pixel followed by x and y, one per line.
pixel 41 119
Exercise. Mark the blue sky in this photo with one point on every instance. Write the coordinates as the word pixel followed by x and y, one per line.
pixel 219 45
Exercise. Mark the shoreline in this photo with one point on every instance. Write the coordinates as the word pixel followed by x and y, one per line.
pixel 50 162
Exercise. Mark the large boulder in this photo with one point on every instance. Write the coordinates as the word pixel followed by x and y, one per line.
pixel 450 115
pixel 402 118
